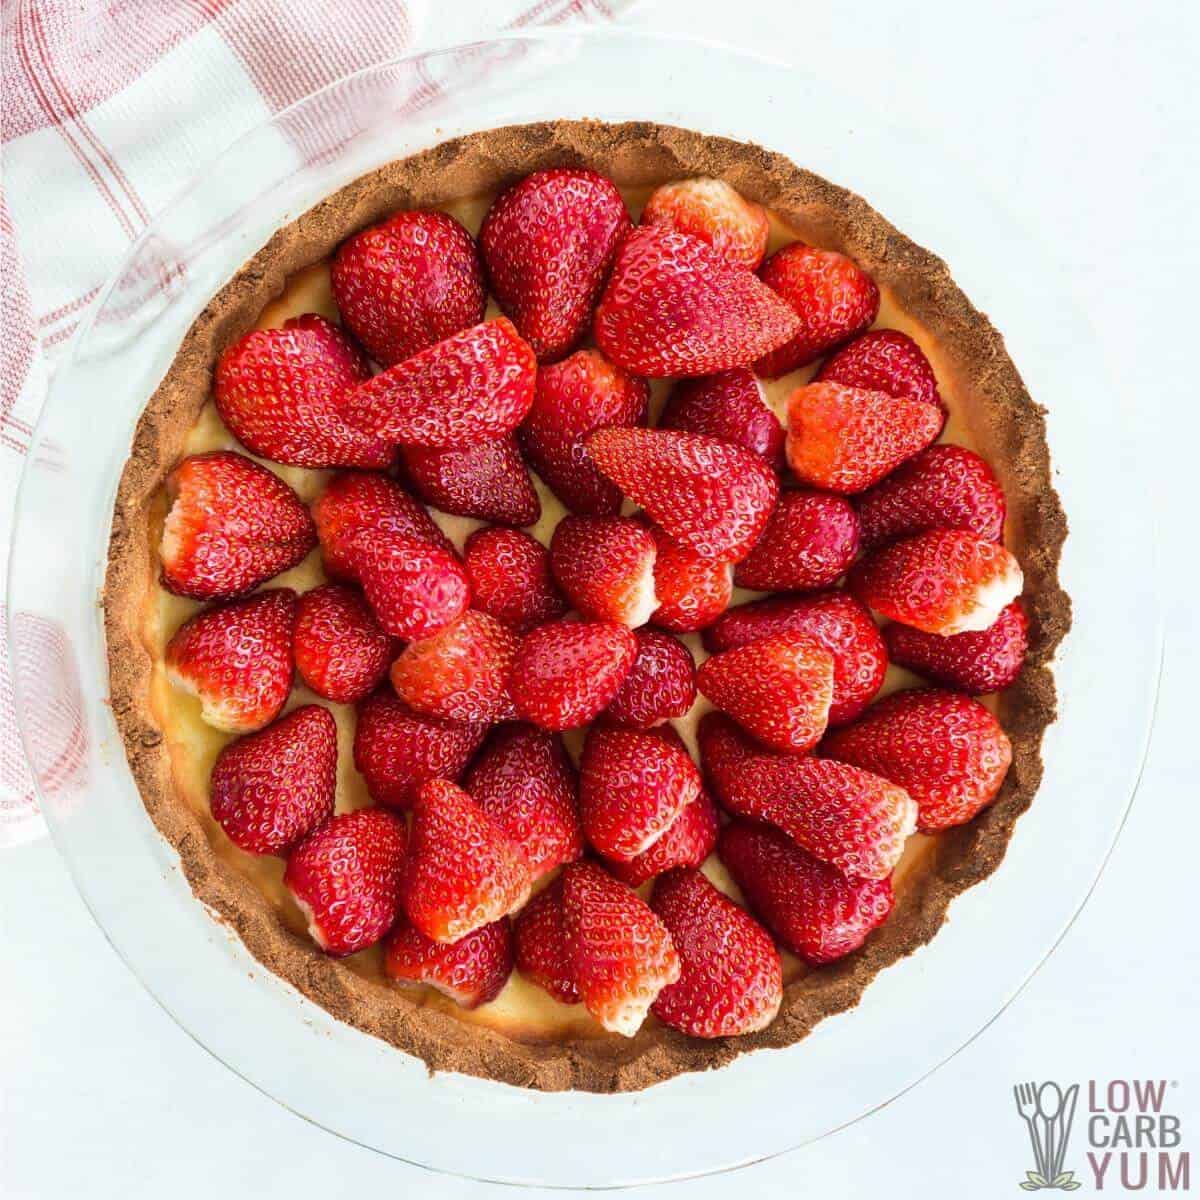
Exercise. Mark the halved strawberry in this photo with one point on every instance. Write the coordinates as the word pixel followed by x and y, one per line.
pixel 724 749
pixel 809 541
pixel 471 971
pixel 692 591
pixel 833 297
pixel 278 391
pixel 347 878
pixel 408 282
pixel 851 818
pixel 731 977
pixel 944 581
pixel 632 786
pixel 674 307
pixel 605 567
pixel 708 495
pixel 414 589
pixel 487 480
pixel 688 841
pixel 623 952
pixel 943 487
pixel 540 945
pixel 548 242
pixel 461 673
pixel 566 672
pixel 354 501
pixel 660 685
pixel 341 651
pixel 510 578
pixel 779 689
pixel 463 871
pixel 231 526
pixel 397 751
pixel 236 659
pixel 835 619
pixel 814 910
pixel 729 406
pixel 988 660
pixel 715 213
pixel 269 789
pixel 525 782
pixel 475 385
pixel 884 360
pixel 573 398
pixel 946 750
pixel 844 439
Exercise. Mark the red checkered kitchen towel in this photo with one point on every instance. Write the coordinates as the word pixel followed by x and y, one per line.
pixel 108 107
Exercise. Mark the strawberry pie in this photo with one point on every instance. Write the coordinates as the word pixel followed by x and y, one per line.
pixel 580 602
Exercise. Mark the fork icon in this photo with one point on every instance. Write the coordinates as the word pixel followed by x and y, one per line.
pixel 1026 1096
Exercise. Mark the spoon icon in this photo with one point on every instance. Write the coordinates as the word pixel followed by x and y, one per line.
pixel 1049 1105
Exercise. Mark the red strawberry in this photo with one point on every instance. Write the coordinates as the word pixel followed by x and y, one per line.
pixel 710 496
pixel 728 406
pixel 279 390
pixel 581 394
pixel 566 672
pixel 341 651
pixel 692 591
pixel 844 439
pixel 731 977
pixel 463 871
pixel 835 619
pixel 673 306
pixel 831 295
pixel 236 659
pixel 850 818
pixel 461 673
pixel 810 540
pixel 943 487
pixel 632 786
pixel 487 480
pixel 270 788
pixel 347 878
pixel 232 525
pixel 471 971
pixel 510 578
pixel 688 841
pixel 946 750
pixel 779 689
pixel 814 910
pixel 605 567
pixel 623 952
pixel 397 752
pixel 415 589
pixel 988 660
pixel 540 945
pixel 355 501
pixel 724 750
pixel 475 385
pixel 661 683
pixel 884 360
pixel 548 242
pixel 408 282
pixel 525 782
pixel 715 213
pixel 944 581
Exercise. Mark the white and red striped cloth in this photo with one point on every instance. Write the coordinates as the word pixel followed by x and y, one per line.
pixel 109 106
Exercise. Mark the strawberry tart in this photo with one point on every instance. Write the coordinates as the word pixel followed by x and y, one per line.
pixel 580 602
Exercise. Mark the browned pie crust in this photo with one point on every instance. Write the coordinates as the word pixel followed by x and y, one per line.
pixel 1006 423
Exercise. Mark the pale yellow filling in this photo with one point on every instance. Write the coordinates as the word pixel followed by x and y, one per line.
pixel 522 1009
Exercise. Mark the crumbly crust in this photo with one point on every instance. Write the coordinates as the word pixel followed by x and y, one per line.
pixel 1007 425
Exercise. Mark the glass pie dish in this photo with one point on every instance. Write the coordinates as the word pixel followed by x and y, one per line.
pixel 764 1103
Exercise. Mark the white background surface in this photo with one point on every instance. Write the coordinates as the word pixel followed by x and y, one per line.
pixel 1085 121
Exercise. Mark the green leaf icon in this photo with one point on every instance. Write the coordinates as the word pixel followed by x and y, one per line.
pixel 1029 1187
pixel 1072 1185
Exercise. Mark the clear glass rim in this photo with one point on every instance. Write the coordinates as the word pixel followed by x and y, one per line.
pixel 68 361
